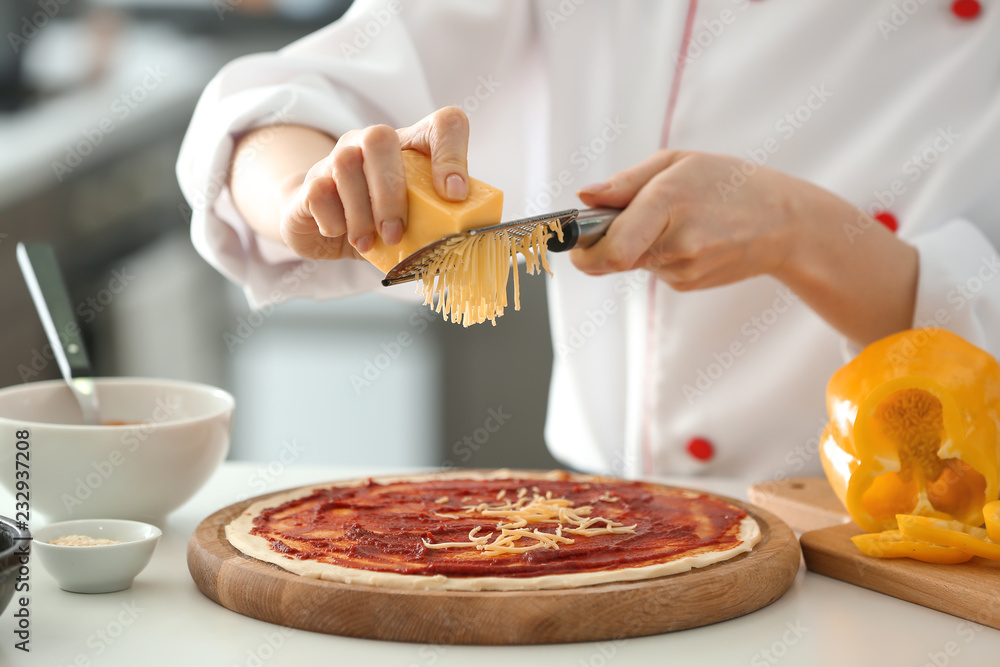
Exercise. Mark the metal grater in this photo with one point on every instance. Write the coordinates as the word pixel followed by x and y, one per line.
pixel 581 229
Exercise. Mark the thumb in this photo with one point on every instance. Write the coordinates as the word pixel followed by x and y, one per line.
pixel 619 190
pixel 444 136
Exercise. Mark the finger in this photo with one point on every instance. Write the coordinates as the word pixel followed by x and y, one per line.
pixel 636 229
pixel 383 169
pixel 621 188
pixel 352 187
pixel 301 233
pixel 685 275
pixel 444 135
pixel 326 209
pixel 317 202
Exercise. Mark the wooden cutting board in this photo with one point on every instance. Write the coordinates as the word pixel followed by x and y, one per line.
pixel 968 590
pixel 610 611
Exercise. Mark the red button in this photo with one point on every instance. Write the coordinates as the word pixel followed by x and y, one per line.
pixel 966 9
pixel 701 449
pixel 887 219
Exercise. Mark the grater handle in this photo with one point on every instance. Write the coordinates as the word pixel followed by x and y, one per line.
pixel 585 229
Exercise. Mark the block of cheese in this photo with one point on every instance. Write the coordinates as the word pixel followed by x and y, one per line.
pixel 431 218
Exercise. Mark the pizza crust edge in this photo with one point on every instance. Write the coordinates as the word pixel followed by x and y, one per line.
pixel 238 534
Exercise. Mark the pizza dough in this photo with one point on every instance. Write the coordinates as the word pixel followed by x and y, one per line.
pixel 743 535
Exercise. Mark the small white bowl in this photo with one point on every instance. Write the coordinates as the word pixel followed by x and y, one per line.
pixel 98 569
pixel 176 435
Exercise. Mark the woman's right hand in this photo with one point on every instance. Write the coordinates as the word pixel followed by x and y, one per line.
pixel 358 190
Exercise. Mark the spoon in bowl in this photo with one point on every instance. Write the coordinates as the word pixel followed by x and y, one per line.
pixel 48 291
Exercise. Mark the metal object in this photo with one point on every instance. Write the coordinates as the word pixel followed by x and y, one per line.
pixel 48 291
pixel 581 229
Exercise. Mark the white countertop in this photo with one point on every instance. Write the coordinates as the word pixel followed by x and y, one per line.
pixel 165 620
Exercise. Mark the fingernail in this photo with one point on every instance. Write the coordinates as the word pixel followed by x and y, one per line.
pixel 392 231
pixel 594 188
pixel 364 244
pixel 455 187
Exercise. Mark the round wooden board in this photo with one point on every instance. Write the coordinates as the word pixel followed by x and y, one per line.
pixel 609 611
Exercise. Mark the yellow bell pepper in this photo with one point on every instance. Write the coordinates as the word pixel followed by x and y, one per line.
pixel 970 539
pixel 892 544
pixel 991 512
pixel 914 422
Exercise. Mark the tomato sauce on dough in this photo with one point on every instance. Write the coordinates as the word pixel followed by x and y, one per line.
pixel 384 527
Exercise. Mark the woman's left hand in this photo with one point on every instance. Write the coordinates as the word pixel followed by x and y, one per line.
pixel 686 222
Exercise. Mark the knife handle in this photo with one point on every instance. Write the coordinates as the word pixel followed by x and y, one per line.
pixel 585 229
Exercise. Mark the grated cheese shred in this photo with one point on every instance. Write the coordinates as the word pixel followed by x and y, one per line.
pixel 515 536
pixel 466 281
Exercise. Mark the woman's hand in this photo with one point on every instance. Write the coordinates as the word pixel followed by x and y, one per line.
pixel 326 198
pixel 687 223
pixel 679 224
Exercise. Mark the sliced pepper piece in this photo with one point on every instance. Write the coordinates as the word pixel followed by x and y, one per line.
pixel 892 544
pixel 970 539
pixel 914 426
pixel 991 512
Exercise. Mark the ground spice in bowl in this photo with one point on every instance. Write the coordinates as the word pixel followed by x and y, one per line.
pixel 82 541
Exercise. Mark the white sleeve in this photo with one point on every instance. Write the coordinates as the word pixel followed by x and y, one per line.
pixel 959 284
pixel 371 66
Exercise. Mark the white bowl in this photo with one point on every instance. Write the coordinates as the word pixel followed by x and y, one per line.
pixel 176 435
pixel 99 569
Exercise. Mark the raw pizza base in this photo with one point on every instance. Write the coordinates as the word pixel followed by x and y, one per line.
pixel 238 534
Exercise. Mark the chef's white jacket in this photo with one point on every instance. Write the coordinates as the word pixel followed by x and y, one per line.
pixel 892 105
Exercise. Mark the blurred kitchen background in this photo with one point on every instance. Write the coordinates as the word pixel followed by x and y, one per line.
pixel 95 96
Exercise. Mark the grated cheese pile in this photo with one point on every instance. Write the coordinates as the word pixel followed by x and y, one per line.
pixel 515 536
pixel 82 541
pixel 466 281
